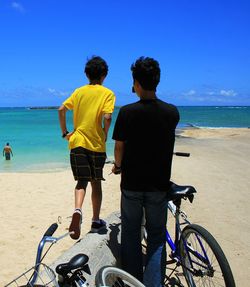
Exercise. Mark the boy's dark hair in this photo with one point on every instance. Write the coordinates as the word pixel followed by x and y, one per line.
pixel 96 68
pixel 147 72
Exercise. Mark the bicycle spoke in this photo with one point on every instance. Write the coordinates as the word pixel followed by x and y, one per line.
pixel 203 261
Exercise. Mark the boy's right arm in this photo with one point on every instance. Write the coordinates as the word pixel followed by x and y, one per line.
pixel 107 118
pixel 62 119
pixel 118 153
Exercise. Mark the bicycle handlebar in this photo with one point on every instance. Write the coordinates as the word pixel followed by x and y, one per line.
pixel 51 230
pixel 47 237
pixel 185 154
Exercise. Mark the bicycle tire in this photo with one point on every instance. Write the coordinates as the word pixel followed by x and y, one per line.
pixel 115 277
pixel 216 271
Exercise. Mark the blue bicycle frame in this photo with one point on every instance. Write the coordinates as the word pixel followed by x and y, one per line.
pixel 174 245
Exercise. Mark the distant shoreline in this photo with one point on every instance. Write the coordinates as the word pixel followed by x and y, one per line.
pixel 43 108
pixel 119 106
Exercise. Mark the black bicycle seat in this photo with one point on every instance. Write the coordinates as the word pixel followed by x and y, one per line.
pixel 181 191
pixel 76 262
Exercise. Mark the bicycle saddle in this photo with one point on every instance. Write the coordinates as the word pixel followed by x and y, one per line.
pixel 181 191
pixel 78 261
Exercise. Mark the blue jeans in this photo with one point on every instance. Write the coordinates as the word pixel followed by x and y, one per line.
pixel 155 205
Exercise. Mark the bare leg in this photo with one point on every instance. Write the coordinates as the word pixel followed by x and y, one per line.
pixel 75 225
pixel 96 198
pixel 80 191
pixel 79 197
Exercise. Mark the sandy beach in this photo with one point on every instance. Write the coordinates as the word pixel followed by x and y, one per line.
pixel 219 168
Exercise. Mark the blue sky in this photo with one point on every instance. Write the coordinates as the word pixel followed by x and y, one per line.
pixel 203 47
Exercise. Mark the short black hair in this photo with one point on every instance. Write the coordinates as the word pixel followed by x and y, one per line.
pixel 96 68
pixel 147 72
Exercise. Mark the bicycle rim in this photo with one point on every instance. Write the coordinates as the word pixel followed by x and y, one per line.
pixel 203 261
pixel 115 277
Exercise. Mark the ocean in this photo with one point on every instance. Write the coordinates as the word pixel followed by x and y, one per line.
pixel 35 135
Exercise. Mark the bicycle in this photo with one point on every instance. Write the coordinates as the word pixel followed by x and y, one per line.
pixel 71 273
pixel 194 249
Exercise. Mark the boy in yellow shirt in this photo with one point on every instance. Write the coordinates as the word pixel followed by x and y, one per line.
pixel 92 106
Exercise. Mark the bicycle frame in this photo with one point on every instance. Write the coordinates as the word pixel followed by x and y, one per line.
pixel 174 244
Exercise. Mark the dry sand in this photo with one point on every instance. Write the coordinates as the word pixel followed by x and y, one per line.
pixel 219 168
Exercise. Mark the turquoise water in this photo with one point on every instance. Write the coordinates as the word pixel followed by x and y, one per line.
pixel 215 117
pixel 35 136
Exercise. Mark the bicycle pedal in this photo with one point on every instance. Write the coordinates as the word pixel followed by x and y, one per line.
pixel 172 282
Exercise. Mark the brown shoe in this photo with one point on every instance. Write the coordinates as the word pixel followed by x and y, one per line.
pixel 75 225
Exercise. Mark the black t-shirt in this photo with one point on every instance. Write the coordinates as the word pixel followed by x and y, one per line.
pixel 147 128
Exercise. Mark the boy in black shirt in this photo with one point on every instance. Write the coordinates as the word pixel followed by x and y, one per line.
pixel 144 137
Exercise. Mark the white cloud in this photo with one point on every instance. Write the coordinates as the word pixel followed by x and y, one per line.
pixel 58 93
pixel 17 6
pixel 51 90
pixel 190 93
pixel 64 94
pixel 228 93
pixel 211 93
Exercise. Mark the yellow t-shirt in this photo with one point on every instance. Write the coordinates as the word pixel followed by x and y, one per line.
pixel 89 103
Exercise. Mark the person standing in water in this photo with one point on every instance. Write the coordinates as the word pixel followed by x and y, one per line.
pixel 7 151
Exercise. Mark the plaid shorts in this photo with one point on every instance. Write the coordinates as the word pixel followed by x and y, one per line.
pixel 87 165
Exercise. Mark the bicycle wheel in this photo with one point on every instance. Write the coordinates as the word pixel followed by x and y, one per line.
pixel 203 261
pixel 115 277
